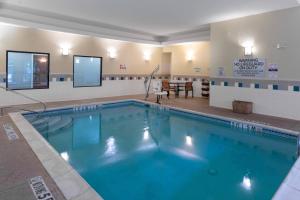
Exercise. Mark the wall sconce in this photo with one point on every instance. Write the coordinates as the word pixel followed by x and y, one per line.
pixel 249 51
pixel 147 56
pixel 190 56
pixel 248 48
pixel 112 53
pixel 65 51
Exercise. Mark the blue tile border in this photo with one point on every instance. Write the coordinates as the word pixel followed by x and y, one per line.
pixel 282 85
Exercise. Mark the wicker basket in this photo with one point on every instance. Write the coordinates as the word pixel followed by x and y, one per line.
pixel 242 107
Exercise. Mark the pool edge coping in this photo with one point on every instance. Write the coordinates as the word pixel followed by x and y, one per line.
pixel 68 180
pixel 287 188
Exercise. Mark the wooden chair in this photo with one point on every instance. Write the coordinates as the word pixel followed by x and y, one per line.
pixel 166 87
pixel 189 87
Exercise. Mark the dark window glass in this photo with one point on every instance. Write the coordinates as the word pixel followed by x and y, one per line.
pixel 275 87
pixel 27 70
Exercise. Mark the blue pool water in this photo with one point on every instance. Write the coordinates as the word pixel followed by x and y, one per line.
pixel 134 152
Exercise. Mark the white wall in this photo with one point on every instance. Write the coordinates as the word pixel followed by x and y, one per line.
pixel 36 40
pixel 278 103
pixel 265 31
pixel 64 91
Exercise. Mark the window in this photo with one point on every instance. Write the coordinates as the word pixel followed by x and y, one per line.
pixel 27 70
pixel 275 87
pixel 87 71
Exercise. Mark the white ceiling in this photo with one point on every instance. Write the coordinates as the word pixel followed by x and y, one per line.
pixel 150 18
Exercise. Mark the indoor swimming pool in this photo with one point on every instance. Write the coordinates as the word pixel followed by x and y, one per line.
pixel 133 150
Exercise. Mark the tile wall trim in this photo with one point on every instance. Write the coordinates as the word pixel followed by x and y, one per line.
pixel 286 85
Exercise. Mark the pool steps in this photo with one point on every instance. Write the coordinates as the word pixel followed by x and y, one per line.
pixel 286 191
pixel 56 123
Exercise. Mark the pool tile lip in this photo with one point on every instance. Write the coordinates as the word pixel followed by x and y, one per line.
pixel 285 192
pixel 71 184
pixel 227 119
pixel 287 188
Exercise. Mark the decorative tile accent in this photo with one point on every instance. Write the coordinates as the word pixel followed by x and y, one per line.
pixel 132 77
pixel 61 77
pixel 259 83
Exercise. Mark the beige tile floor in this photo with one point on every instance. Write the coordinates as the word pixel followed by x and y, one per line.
pixel 18 162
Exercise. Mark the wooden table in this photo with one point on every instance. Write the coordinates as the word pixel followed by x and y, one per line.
pixel 177 84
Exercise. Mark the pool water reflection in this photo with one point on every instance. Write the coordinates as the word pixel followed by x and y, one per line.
pixel 136 152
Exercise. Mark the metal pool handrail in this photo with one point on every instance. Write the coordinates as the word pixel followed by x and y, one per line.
pixel 147 88
pixel 26 97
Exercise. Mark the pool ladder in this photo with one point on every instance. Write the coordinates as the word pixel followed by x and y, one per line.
pixel 147 86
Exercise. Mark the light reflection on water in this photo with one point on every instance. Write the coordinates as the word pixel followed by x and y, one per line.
pixel 151 154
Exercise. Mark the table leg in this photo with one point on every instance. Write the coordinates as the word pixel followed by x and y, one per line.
pixel 177 91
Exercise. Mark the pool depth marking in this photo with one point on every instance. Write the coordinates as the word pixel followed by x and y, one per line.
pixel 10 132
pixel 40 189
pixel 235 123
